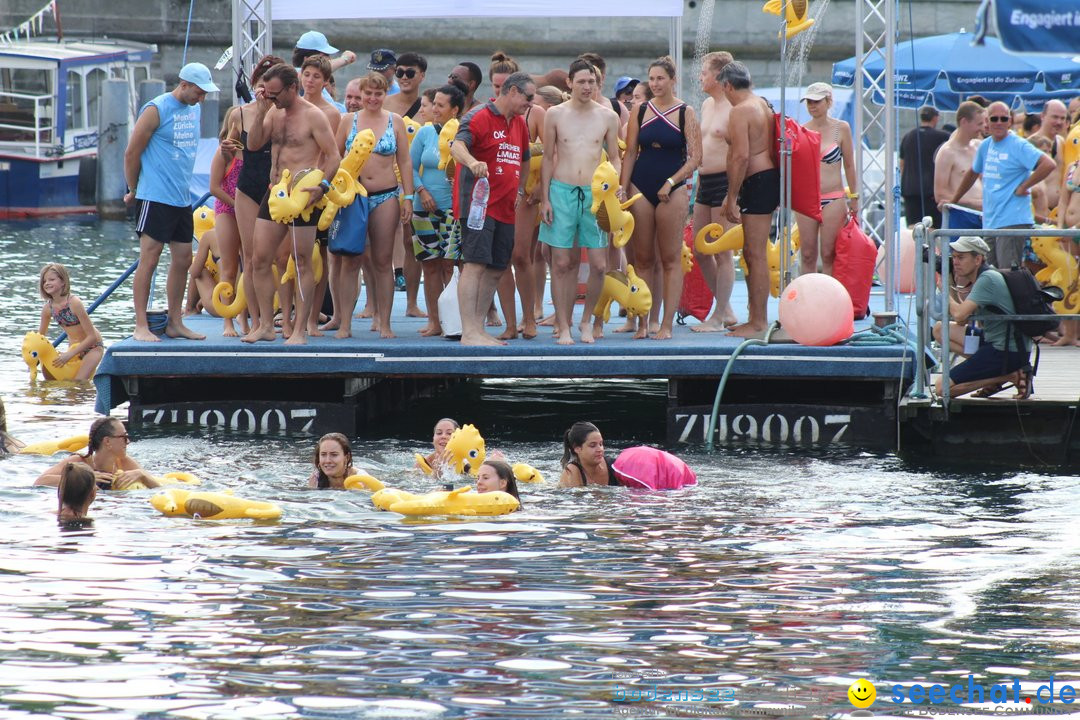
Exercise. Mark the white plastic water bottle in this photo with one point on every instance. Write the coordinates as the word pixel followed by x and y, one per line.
pixel 971 339
pixel 478 208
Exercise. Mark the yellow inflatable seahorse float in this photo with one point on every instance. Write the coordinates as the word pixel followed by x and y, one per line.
pixel 1061 271
pixel 363 481
pixel 176 502
pixel 38 352
pixel 316 267
pixel 611 216
pixel 50 447
pixel 628 290
pixel 460 501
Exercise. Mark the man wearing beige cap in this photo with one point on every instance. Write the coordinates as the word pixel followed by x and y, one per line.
pixel 1003 355
pixel 965 267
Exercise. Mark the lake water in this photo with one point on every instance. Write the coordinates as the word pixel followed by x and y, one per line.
pixel 781 578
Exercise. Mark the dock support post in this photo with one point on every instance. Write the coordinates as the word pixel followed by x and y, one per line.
pixel 113 134
pixel 148 90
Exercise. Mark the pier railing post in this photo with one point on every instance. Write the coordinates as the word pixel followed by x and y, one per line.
pixel 113 133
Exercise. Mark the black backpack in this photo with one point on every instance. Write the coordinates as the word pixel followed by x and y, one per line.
pixel 1029 298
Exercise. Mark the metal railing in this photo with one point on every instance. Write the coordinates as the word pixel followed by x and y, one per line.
pixel 932 251
pixel 42 121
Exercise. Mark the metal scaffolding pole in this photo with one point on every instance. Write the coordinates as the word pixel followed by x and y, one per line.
pixel 251 36
pixel 875 34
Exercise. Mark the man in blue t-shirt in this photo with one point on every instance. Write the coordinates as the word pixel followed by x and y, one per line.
pixel 158 164
pixel 1003 355
pixel 1010 166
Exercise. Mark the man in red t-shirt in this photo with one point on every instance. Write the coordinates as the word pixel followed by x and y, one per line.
pixel 492 142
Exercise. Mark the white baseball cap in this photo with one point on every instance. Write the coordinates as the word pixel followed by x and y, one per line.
pixel 817 91
pixel 198 74
pixel 315 40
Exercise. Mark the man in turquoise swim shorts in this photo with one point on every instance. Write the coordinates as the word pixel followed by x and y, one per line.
pixel 575 133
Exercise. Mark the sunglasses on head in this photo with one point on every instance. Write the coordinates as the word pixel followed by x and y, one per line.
pixel 1000 118
pixel 406 73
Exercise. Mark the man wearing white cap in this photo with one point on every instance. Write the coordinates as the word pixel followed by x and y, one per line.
pixel 314 42
pixel 158 164
pixel 1003 355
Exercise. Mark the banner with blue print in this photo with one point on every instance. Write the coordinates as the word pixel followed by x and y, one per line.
pixel 1046 27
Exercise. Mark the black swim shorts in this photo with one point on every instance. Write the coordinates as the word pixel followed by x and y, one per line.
pixel 760 193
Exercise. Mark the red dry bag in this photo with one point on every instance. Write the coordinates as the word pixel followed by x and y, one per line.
pixel 856 255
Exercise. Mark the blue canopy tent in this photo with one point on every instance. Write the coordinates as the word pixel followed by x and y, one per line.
pixel 942 70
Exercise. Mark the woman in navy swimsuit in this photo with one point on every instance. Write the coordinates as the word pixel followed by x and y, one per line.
pixel 663 147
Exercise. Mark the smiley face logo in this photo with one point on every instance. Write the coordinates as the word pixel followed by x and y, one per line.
pixel 862 693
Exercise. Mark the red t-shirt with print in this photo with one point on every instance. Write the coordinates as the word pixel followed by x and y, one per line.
pixel 504 146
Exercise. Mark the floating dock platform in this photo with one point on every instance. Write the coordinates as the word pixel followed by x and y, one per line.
pixel 780 394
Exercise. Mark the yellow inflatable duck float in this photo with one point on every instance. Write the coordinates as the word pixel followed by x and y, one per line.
pixel 50 447
pixel 611 216
pixel 203 219
pixel 446 138
pixel 465 450
pixel 38 352
pixel 289 198
pixel 523 472
pixel 628 290
pixel 363 481
pixel 169 478
pixel 461 501
pixel 176 502
pixel 1061 271
pixel 795 10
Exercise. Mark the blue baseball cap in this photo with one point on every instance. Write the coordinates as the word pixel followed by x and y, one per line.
pixel 198 74
pixel 625 83
pixel 315 40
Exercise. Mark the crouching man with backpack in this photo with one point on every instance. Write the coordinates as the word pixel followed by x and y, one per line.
pixel 1003 356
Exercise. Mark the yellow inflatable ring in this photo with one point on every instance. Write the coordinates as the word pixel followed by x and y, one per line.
pixel 461 501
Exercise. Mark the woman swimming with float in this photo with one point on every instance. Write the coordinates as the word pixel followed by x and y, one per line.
pixel 107 457
pixel 497 475
pixel 434 462
pixel 77 489
pixel 583 460
pixel 333 462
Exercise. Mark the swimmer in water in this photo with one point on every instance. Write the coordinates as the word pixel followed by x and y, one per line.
pixel 437 459
pixel 77 489
pixel 583 460
pixel 497 475
pixel 107 456
pixel 333 462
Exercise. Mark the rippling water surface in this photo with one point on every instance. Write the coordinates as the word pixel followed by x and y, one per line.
pixel 781 576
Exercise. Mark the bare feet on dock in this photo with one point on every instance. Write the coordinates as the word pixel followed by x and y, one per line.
pixel 713 324
pixel 430 330
pixel 341 334
pixel 662 334
pixel 628 326
pixel 387 334
pixel 415 311
pixel 481 339
pixel 266 334
pixel 299 337
pixel 229 329
pixel 528 330
pixel 332 324
pixel 746 330
pixel 144 335
pixel 313 330
pixel 508 334
pixel 367 312
pixel 565 338
pixel 586 330
pixel 182 331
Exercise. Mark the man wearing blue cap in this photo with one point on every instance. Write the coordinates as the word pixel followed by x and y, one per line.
pixel 158 164
pixel 314 42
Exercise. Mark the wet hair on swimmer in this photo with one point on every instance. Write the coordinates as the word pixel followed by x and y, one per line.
pixel 267 62
pixel 452 421
pixel 346 450
pixel 579 65
pixel 99 430
pixel 736 75
pixel 575 437
pixel 505 473
pixel 374 81
pixel 61 271
pixel 76 487
pixel 286 74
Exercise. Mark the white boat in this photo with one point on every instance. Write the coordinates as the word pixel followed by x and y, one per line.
pixel 49 97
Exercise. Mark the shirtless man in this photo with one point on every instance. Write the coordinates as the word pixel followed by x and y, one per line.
pixel 753 186
pixel 718 270
pixel 575 132
pixel 1055 123
pixel 954 158
pixel 302 139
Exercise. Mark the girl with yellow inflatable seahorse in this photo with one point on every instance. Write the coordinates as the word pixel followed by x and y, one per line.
pixel 85 347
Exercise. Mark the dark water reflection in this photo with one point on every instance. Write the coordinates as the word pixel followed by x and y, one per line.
pixel 779 576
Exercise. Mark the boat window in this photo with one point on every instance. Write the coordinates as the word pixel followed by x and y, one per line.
pixel 118 72
pixel 73 108
pixel 95 80
pixel 142 72
pixel 20 90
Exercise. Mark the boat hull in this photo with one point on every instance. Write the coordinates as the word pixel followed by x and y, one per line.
pixel 34 188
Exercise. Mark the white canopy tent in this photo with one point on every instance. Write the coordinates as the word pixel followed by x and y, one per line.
pixel 252 18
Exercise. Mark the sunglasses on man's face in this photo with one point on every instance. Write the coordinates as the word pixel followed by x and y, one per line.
pixel 406 73
pixel 1000 118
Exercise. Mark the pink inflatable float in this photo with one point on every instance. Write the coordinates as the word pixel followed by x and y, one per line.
pixel 905 269
pixel 815 309
pixel 652 469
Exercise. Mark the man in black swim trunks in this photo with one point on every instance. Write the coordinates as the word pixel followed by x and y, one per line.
pixel 302 140
pixel 753 186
